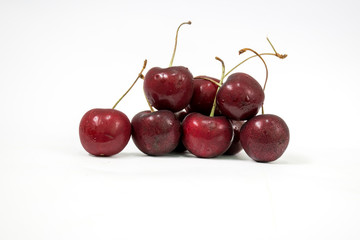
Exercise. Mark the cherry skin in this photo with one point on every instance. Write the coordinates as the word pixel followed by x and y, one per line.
pixel 104 132
pixel 204 94
pixel 240 97
pixel 265 137
pixel 169 88
pixel 235 146
pixel 206 136
pixel 156 133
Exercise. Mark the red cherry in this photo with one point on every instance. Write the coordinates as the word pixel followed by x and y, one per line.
pixel 205 89
pixel 156 133
pixel 104 132
pixel 235 146
pixel 265 137
pixel 169 88
pixel 240 97
pixel 206 136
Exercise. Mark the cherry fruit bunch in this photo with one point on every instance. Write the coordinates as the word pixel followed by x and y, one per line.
pixel 207 116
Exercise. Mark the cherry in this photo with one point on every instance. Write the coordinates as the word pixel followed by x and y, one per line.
pixel 105 132
pixel 265 137
pixel 240 97
pixel 206 136
pixel 156 133
pixel 235 146
pixel 169 88
pixel 205 89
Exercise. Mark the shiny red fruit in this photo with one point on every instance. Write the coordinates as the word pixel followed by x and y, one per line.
pixel 265 137
pixel 240 97
pixel 206 136
pixel 104 132
pixel 156 133
pixel 203 95
pixel 169 88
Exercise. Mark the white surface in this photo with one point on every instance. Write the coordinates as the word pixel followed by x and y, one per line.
pixel 60 59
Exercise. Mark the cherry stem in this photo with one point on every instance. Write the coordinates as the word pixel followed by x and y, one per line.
pixel 209 79
pixel 266 68
pixel 212 113
pixel 281 56
pixel 147 100
pixel 176 38
pixel 139 76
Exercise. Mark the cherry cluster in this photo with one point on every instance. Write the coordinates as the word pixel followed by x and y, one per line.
pixel 208 117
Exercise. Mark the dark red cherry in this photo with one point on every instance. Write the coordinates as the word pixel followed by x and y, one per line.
pixel 169 88
pixel 204 94
pixel 240 97
pixel 206 136
pixel 156 133
pixel 104 132
pixel 265 137
pixel 235 146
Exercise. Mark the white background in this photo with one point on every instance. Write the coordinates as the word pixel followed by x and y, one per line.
pixel 59 59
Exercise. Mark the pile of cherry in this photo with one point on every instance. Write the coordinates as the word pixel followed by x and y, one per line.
pixel 208 117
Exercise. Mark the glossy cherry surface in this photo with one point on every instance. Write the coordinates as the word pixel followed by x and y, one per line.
pixel 104 132
pixel 169 88
pixel 265 137
pixel 240 97
pixel 235 146
pixel 206 136
pixel 156 133
pixel 204 94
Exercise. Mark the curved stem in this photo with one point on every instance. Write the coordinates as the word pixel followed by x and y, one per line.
pixel 209 79
pixel 212 113
pixel 139 76
pixel 176 37
pixel 266 68
pixel 281 56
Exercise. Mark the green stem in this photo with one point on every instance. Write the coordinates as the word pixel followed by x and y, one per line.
pixel 281 56
pixel 176 38
pixel 212 113
pixel 266 68
pixel 262 54
pixel 147 100
pixel 139 76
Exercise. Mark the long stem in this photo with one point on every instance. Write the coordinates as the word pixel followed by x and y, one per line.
pixel 139 76
pixel 212 113
pixel 176 38
pixel 281 56
pixel 266 68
